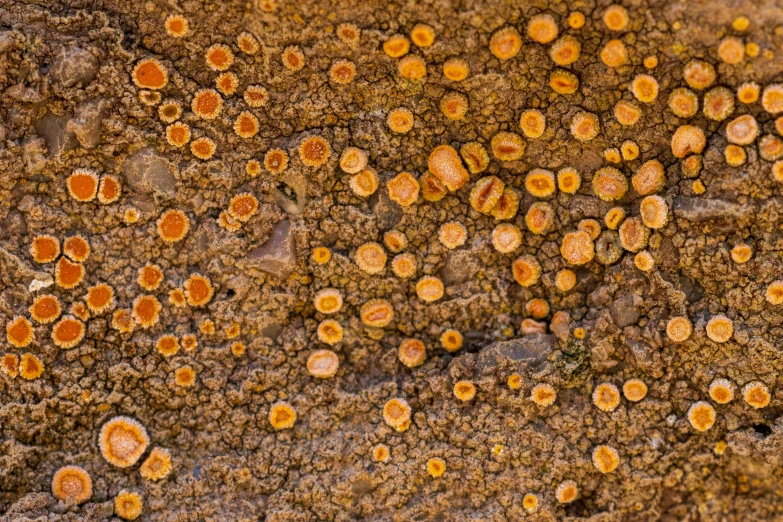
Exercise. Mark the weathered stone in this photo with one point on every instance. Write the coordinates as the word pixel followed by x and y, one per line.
pixel 626 310
pixel 54 129
pixel 73 65
pixel 86 122
pixel 149 172
pixel 533 349
pixel 699 209
pixel 277 256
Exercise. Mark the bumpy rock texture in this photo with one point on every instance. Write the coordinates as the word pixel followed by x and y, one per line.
pixel 67 101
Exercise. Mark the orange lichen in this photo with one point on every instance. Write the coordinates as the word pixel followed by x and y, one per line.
pixel 464 390
pixel 605 459
pixel 475 156
pixel 404 266
pixel 150 74
pixel 377 313
pixel 565 280
pixel 185 377
pixel 542 28
pixel 253 168
pixel 99 298
pixel 563 82
pixel 248 43
pixel 243 206
pixel 396 46
pixel 9 365
pixel 720 328
pixel 770 148
pixel 246 126
pixel 353 160
pixel 568 180
pixel 615 18
pixel 323 364
pixel 328 301
pixel 128 505
pixel 436 467
pixel 207 104
pixel 109 190
pixel 683 102
pixel 432 189
pixel 256 96
pixel 486 194
pixel 396 412
pixel 189 342
pixel 207 327
pixel 381 453
pixel 178 134
pixel 412 67
pixel 198 290
pixel 456 69
pixel 444 163
pixel 614 53
pixel 395 240
pixel 731 50
pixel 688 139
pixel 566 492
pixel 238 349
pixel 227 83
pixel 537 308
pixel 219 57
pixel 606 397
pixel 507 205
pixel 82 185
pixel 644 261
pixel 721 391
pixel 626 113
pixel 122 441
pixel 167 345
pixel 371 258
pixel 506 238
pixel 530 501
pixel 77 248
pixel 150 98
pixel 565 50
pixel 403 189
pixel 718 103
pixel 19 332
pixel 735 155
pixel 585 126
pixel 68 275
pixel 591 226
pixel 741 253
pixel 451 340
pixel 644 88
pixel 742 130
pixel 634 390
pixel 533 123
pixel 507 146
pixel 329 331
pixel 400 120
pixel 543 395
pixel 772 98
pixel 452 234
pixel 276 161
pixel 577 248
pixel 614 217
pixel 365 183
pixel 454 105
pixel 176 26
pixel 44 248
pixel 514 381
pixel 701 415
pixel 540 183
pixel 30 367
pixel 774 293
pixel 314 151
pixel 146 310
pixel 649 179
pixel 756 394
pixel 411 353
pixel 342 72
pixel 72 484
pixel 282 416
pixel 203 148
pixel 699 74
pixel 654 212
pixel 150 277
pixel 526 270
pixel 505 43
pixel 172 226
pixel 349 33
pixel 429 289
pixel 158 464
pixel 423 35
pixel 651 62
pixel 634 235
pixel 45 309
pixel 122 321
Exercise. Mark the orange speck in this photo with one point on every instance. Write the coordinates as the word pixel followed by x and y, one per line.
pixel 19 332
pixel 77 248
pixel 198 290
pixel 167 345
pixel 314 151
pixel 219 57
pixel 246 125
pixel 176 26
pixel 172 226
pixel 99 298
pixel 45 248
pixel 146 310
pixel 243 206
pixel 207 104
pixel 150 277
pixel 30 367
pixel 45 309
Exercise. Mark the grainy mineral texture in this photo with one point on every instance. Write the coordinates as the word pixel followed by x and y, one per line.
pixel 299 260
